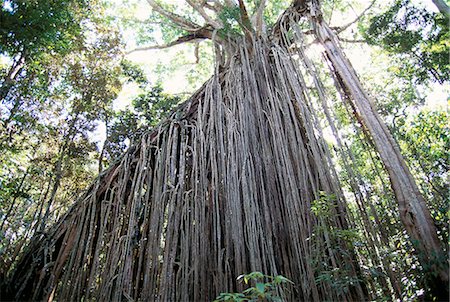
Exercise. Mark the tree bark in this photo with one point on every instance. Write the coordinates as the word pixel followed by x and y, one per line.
pixel 442 7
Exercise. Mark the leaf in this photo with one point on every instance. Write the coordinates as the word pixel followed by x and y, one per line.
pixel 281 279
pixel 246 279
pixel 255 275
pixel 260 287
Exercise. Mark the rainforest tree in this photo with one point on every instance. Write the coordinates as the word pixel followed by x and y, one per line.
pixel 239 178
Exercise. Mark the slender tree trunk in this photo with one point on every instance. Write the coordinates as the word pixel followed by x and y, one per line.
pixel 13 202
pixel 414 213
pixel 11 76
pixel 58 176
pixel 58 171
pixel 102 152
pixel 42 199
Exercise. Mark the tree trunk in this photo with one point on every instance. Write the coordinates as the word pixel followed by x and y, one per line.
pixel 57 172
pixel 58 175
pixel 102 152
pixel 11 76
pixel 414 213
pixel 442 7
pixel 13 202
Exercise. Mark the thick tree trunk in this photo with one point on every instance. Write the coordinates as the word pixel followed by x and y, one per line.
pixel 414 213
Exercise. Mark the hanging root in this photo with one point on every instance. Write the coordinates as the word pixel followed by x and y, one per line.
pixel 223 187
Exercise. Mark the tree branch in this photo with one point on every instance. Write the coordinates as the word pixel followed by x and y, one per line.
pixel 201 34
pixel 217 7
pixel 245 20
pixel 340 29
pixel 258 17
pixel 351 41
pixel 292 13
pixel 199 8
pixel 177 19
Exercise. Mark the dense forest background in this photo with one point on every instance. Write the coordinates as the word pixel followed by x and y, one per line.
pixel 81 81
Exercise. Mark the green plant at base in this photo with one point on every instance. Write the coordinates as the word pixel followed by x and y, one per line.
pixel 262 291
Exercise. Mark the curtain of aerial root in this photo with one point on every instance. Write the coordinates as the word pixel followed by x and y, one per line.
pixel 224 187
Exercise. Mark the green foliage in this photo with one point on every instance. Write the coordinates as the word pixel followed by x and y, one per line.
pixel 322 206
pixel 273 11
pixel 153 105
pixel 423 137
pixel 425 140
pixel 266 288
pixel 148 109
pixel 338 279
pixel 133 73
pixel 419 39
pixel 36 26
pixel 396 96
pixel 230 17
pixel 68 80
